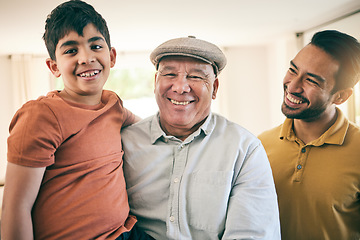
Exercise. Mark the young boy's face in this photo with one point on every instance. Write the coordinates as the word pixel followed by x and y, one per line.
pixel 84 63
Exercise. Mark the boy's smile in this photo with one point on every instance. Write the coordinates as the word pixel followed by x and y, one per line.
pixel 84 63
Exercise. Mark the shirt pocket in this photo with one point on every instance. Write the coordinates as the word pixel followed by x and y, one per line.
pixel 208 196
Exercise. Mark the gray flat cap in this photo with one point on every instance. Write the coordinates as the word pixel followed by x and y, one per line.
pixel 190 47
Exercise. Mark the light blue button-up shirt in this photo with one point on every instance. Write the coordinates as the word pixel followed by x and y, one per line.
pixel 216 184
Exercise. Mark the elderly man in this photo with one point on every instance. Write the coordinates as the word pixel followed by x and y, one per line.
pixel 192 174
pixel 315 153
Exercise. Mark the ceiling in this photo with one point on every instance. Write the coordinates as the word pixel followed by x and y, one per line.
pixel 139 25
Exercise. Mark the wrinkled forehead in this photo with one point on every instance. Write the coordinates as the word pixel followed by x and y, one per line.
pixel 188 63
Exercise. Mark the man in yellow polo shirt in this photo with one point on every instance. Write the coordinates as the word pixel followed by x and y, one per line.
pixel 315 153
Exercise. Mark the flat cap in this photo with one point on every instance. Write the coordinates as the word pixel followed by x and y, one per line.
pixel 190 47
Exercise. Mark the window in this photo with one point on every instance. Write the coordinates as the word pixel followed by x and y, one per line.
pixel 351 107
pixel 135 86
pixel 357 103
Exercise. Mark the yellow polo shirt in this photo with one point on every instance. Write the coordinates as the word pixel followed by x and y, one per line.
pixel 318 184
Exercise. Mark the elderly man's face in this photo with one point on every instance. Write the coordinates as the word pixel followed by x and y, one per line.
pixel 184 88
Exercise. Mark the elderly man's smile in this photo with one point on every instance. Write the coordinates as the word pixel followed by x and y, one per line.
pixel 180 102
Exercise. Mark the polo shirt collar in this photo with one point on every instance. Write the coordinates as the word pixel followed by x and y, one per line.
pixel 334 135
pixel 157 133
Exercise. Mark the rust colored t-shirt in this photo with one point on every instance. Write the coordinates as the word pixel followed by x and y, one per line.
pixel 83 193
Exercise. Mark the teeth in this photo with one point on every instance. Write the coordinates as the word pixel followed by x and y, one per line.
pixel 293 100
pixel 89 74
pixel 179 103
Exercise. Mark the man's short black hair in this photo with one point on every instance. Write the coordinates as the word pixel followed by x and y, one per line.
pixel 346 50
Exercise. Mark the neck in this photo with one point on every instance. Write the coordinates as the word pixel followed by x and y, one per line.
pixel 309 130
pixel 180 132
pixel 88 100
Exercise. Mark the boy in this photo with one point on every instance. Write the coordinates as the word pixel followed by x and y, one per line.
pixel 64 176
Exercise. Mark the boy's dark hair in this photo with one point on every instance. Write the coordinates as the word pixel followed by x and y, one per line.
pixel 346 50
pixel 73 15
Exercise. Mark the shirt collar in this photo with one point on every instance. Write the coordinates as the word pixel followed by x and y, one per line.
pixel 156 133
pixel 334 135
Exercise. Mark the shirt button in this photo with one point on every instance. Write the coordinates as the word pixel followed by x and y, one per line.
pixel 176 180
pixel 172 218
pixel 299 167
pixel 303 150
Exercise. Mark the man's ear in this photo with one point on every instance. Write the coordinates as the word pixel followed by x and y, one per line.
pixel 342 95
pixel 216 87
pixel 53 67
pixel 155 78
pixel 112 57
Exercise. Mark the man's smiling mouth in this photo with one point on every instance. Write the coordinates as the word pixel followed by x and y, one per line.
pixel 293 100
pixel 179 103
pixel 89 74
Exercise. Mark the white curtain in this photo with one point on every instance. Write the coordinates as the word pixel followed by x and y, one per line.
pixel 24 77
pixel 30 78
pixel 20 73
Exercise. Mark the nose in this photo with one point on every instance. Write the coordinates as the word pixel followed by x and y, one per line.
pixel 85 56
pixel 294 84
pixel 181 84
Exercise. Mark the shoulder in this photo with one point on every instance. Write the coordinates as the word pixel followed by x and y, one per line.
pixel 236 142
pixel 34 117
pixel 39 106
pixel 223 124
pixel 51 100
pixel 354 128
pixel 227 131
pixel 45 109
pixel 271 138
pixel 109 93
pixel 141 127
pixel 137 137
pixel 353 132
pixel 110 97
pixel 270 134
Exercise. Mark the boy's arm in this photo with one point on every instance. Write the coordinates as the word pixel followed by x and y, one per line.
pixel 21 188
pixel 137 118
pixel 130 118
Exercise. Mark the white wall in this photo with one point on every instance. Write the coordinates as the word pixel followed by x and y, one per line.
pixel 280 52
pixel 244 91
pixel 349 25
pixel 250 91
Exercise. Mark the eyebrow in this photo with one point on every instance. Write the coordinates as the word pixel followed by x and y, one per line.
pixel 72 42
pixel 319 78
pixel 166 68
pixel 201 72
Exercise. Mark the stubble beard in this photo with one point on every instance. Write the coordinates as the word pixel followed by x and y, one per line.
pixel 306 114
